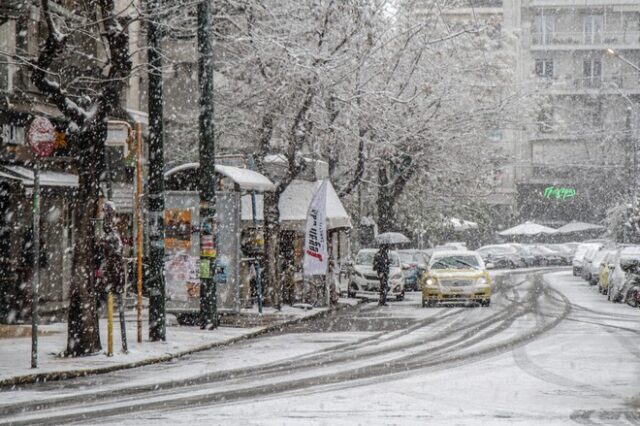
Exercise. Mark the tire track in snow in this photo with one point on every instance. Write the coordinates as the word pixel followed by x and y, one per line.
pixel 369 371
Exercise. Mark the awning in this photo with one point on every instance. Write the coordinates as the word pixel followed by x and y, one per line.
pixel 246 179
pixel 528 228
pixel 295 200
pixel 579 227
pixel 47 177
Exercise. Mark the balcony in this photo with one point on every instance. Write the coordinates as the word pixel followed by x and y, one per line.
pixel 579 3
pixel 627 83
pixel 585 41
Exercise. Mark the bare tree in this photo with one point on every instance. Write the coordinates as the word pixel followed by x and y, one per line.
pixel 87 112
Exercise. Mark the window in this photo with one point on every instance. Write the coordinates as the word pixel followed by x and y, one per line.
pixel 544 68
pixel 545 119
pixel 592 72
pixel 596 115
pixel 544 29
pixel 593 27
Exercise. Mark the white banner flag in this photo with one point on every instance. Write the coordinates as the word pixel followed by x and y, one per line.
pixel 315 236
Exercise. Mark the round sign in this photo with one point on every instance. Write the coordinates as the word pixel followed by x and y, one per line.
pixel 41 137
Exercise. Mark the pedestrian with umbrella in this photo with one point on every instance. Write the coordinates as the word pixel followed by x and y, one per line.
pixel 382 260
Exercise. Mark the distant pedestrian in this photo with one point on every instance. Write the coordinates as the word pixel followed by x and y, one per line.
pixel 382 264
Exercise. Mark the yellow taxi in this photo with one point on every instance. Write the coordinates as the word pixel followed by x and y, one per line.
pixel 456 276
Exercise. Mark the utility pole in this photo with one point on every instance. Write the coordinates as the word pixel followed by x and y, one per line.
pixel 157 323
pixel 206 175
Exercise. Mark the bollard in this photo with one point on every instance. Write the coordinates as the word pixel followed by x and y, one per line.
pixel 109 324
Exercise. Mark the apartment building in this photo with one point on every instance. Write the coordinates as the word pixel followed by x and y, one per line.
pixel 574 152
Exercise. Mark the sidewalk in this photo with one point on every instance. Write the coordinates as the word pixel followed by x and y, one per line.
pixel 15 344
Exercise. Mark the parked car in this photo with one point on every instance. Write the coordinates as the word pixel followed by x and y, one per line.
pixel 525 254
pixel 364 280
pixel 414 263
pixel 545 256
pixel 501 256
pixel 617 286
pixel 586 262
pixel 578 257
pixel 597 264
pixel 563 250
pixel 456 276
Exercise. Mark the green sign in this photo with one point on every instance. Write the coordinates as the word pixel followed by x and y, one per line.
pixel 560 193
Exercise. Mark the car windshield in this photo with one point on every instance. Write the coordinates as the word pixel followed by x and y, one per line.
pixel 599 257
pixel 365 258
pixel 406 257
pixel 455 262
pixel 582 251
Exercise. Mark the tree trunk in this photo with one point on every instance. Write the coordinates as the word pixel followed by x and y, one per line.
pixel 272 287
pixel 83 335
pixel 385 200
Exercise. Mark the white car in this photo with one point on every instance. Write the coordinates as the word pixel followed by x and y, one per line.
pixel 586 262
pixel 617 290
pixel 364 280
pixel 597 263
pixel 578 257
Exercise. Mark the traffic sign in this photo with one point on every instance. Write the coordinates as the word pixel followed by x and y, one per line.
pixel 41 137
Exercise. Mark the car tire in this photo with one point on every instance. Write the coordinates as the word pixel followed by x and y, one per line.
pixel 350 294
pixel 428 303
pixel 486 303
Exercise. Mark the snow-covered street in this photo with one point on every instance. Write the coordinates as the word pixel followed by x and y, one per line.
pixel 549 350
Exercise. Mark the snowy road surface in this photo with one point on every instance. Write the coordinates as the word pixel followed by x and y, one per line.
pixel 549 350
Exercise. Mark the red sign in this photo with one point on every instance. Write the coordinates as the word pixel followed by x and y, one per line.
pixel 41 137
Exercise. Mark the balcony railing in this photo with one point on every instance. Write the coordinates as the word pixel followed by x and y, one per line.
pixel 608 38
pixel 628 81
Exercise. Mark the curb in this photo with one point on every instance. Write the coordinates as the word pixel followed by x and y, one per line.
pixel 72 374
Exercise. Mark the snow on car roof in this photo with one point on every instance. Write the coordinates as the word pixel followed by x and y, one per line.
pixel 443 253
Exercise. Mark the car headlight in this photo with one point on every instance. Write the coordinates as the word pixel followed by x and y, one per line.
pixel 430 281
pixel 397 276
pixel 482 282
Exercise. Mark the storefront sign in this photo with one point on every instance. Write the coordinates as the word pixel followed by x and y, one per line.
pixel 559 193
pixel 41 137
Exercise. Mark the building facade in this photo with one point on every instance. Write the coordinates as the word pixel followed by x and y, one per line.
pixel 22 31
pixel 574 154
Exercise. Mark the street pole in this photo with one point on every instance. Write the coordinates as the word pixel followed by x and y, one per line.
pixel 157 323
pixel 206 178
pixel 35 282
pixel 254 215
pixel 138 206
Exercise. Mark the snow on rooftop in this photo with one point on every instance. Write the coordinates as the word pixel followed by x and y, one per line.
pixel 295 200
pixel 47 178
pixel 246 179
